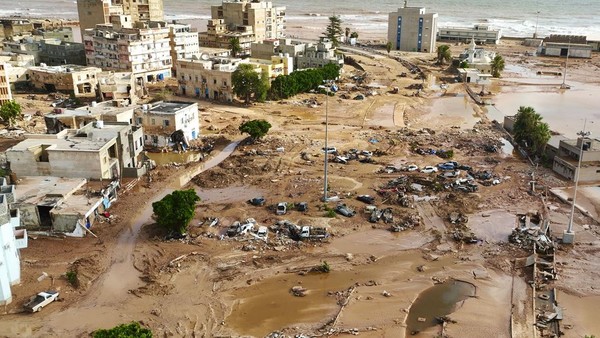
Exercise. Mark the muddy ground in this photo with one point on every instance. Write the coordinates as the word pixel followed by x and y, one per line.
pixel 208 286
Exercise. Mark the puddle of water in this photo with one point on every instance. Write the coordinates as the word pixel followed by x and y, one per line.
pixel 552 103
pixel 439 300
pixel 268 305
pixel 170 157
pixel 459 107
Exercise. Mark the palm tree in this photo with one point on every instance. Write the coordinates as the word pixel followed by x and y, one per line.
pixel 530 131
pixel 443 54
pixel 234 46
pixel 497 65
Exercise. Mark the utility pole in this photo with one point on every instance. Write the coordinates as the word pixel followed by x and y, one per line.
pixel 537 18
pixel 564 84
pixel 569 234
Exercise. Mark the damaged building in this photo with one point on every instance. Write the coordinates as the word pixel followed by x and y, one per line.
pixel 99 150
pixel 58 204
pixel 71 79
pixel 566 160
pixel 169 123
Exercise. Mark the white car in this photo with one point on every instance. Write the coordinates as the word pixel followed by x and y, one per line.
pixel 330 150
pixel 262 232
pixel 412 167
pixel 429 169
pixel 281 208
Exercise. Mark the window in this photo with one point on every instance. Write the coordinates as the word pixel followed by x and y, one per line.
pixel 153 122
pixel 166 123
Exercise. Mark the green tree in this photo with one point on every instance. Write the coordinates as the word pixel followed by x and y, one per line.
pixel 388 46
pixel 10 111
pixel 234 46
pixel 131 330
pixel 464 64
pixel 255 128
pixel 497 65
pixel 285 86
pixel 176 210
pixel 354 35
pixel 443 54
pixel 245 81
pixel 333 31
pixel 530 131
pixel 262 89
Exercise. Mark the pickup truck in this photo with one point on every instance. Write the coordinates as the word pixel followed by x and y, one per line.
pixel 309 232
pixel 42 299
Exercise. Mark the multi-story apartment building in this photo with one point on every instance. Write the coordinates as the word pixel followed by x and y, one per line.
pixel 169 123
pixel 219 36
pixel 207 78
pixel 95 12
pixel 304 55
pixel 71 79
pixel 98 12
pixel 5 92
pixel 248 20
pixel 142 10
pixel 142 48
pixel 184 43
pixel 411 29
pixel 54 52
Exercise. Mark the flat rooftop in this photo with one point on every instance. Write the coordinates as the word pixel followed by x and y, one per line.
pixel 68 143
pixel 595 146
pixel 171 107
pixel 104 108
pixel 33 189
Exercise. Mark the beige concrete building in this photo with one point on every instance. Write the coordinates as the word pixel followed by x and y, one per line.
pixel 219 36
pixel 108 111
pixel 98 12
pixel 169 123
pixel 142 10
pixel 267 22
pixel 142 48
pixel 95 12
pixel 249 21
pixel 78 80
pixel 562 45
pixel 118 86
pixel 99 150
pixel 411 29
pixel 184 43
pixel 303 55
pixel 207 78
pixel 566 160
pixel 5 92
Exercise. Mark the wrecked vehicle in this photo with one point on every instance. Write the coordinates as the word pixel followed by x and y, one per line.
pixel 366 199
pixel 309 232
pixel 281 208
pixel 258 201
pixel 429 169
pixel 302 207
pixel 344 210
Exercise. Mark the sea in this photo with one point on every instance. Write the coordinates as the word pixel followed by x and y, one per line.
pixel 517 18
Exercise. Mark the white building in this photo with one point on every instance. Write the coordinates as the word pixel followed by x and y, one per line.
pixel 478 58
pixel 169 123
pixel 184 43
pixel 562 45
pixel 143 49
pixel 411 29
pixel 480 32
pixel 11 241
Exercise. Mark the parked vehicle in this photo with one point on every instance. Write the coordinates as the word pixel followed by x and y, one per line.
pixel 40 300
pixel 309 232
pixel 429 169
pixel 344 210
pixel 330 150
pixel 450 174
pixel 447 166
pixel 464 167
pixel 302 206
pixel 366 153
pixel 257 201
pixel 412 167
pixel 366 199
pixel 281 208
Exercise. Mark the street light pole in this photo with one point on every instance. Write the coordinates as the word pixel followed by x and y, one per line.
pixel 537 18
pixel 326 143
pixel 569 234
pixel 564 84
